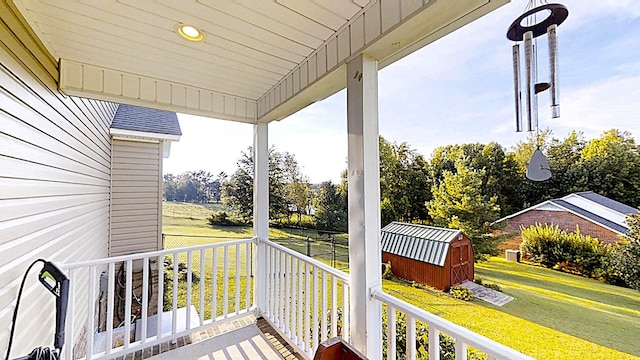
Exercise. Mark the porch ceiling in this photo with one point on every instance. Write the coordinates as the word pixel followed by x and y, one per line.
pixel 260 60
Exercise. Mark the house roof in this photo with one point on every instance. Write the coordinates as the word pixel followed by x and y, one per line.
pixel 133 118
pixel 608 203
pixel 419 242
pixel 589 205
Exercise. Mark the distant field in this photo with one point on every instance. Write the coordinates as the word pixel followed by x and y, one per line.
pixel 555 315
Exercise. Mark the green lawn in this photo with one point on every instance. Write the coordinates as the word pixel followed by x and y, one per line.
pixel 555 315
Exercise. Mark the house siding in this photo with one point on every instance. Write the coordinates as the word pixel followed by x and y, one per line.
pixel 136 204
pixel 564 220
pixel 55 155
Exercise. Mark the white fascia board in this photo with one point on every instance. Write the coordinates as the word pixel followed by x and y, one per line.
pixel 546 205
pixel 131 134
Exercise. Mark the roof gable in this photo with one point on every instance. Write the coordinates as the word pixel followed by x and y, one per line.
pixel 419 242
pixel 133 118
pixel 589 205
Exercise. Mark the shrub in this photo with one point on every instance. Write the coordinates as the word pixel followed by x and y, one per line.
pixel 478 281
pixel 461 292
pixel 387 273
pixel 221 218
pixel 622 263
pixel 572 252
pixel 495 287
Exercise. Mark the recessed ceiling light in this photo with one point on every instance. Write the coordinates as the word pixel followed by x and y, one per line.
pixel 190 32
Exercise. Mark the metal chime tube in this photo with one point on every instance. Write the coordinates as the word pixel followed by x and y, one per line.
pixel 529 64
pixel 516 86
pixel 553 70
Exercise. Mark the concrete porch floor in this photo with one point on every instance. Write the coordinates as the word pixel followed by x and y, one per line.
pixel 245 338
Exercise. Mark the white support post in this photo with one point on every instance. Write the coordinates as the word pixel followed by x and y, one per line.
pixel 364 204
pixel 261 212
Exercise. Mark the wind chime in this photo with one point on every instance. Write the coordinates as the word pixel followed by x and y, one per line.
pixel 527 29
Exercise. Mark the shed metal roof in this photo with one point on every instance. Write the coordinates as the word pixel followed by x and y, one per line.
pixel 419 242
pixel 141 119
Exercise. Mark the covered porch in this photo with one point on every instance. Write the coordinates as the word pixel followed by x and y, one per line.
pixel 256 62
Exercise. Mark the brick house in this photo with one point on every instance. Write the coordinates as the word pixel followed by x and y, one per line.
pixel 595 215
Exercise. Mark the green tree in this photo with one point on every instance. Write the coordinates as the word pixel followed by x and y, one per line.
pixel 331 208
pixel 404 183
pixel 237 192
pixel 169 187
pixel 611 167
pixel 624 256
pixel 458 203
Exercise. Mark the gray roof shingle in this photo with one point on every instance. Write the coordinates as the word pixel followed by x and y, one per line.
pixel 419 242
pixel 591 216
pixel 609 203
pixel 146 120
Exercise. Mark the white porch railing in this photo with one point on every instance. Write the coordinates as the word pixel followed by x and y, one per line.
pixel 459 338
pixel 197 273
pixel 307 301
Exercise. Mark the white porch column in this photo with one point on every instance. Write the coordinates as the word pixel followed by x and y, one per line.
pixel 364 204
pixel 261 211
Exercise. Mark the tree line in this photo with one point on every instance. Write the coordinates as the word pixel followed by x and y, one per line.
pixel 464 186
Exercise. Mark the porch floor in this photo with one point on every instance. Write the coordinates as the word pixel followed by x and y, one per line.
pixel 245 338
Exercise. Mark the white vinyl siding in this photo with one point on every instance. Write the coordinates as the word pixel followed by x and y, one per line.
pixel 135 197
pixel 55 155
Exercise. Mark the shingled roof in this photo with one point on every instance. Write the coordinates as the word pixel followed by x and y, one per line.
pixel 419 242
pixel 141 119
pixel 589 205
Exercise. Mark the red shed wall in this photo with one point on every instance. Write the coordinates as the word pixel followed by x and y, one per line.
pixel 418 271
pixel 564 220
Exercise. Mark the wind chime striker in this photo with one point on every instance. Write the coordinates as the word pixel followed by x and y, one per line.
pixel 526 29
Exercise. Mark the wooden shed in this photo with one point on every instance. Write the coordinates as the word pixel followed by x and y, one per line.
pixel 428 255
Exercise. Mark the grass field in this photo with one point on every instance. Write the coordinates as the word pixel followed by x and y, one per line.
pixel 554 316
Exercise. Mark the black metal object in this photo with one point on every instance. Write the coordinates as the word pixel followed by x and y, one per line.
pixel 558 15
pixel 58 284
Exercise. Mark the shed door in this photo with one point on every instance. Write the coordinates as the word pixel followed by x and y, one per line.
pixel 460 264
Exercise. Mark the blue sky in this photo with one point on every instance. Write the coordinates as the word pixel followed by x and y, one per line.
pixel 456 90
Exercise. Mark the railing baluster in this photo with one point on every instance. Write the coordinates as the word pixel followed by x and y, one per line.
pixel 307 308
pixel 145 299
pixel 334 306
pixel 225 289
pixel 248 272
pixel 70 333
pixel 287 296
pixel 434 343
pixel 315 309
pixel 160 303
pixel 276 295
pixel 187 323
pixel 346 312
pixel 293 275
pixel 91 306
pixel 324 307
pixel 461 350
pixel 202 286
pixel 411 337
pixel 110 300
pixel 300 303
pixel 270 284
pixel 127 304
pixel 214 284
pixel 391 335
pixel 174 304
pixel 237 288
